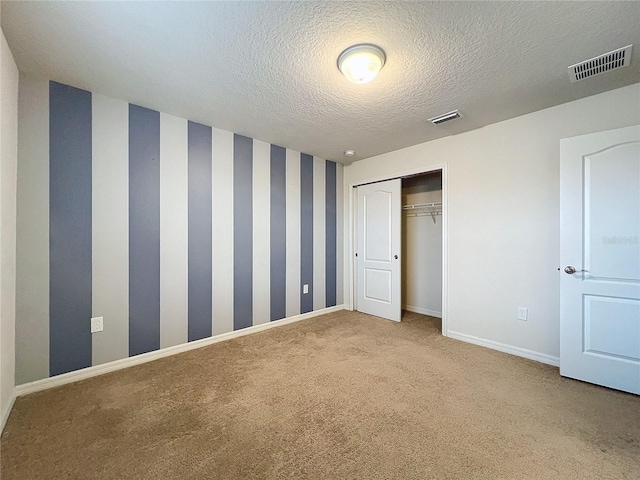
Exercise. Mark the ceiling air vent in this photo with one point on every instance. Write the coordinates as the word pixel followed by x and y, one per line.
pixel 602 63
pixel 445 118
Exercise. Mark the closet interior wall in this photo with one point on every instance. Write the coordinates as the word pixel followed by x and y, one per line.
pixel 422 245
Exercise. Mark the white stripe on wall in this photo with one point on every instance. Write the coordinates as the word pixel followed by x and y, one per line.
pixel 32 232
pixel 110 228
pixel 293 233
pixel 173 231
pixel 261 232
pixel 222 172
pixel 319 235
pixel 340 234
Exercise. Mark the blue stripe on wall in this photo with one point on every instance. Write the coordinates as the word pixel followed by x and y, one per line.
pixel 242 232
pixel 306 232
pixel 144 230
pixel 278 233
pixel 200 232
pixel 330 234
pixel 69 228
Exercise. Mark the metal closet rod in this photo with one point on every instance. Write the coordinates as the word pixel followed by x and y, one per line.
pixel 423 209
pixel 422 214
pixel 422 205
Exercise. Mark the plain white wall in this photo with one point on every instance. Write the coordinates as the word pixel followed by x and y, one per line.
pixel 503 215
pixel 8 165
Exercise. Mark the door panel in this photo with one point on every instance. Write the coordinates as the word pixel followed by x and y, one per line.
pixel 611 327
pixel 378 249
pixel 377 234
pixel 600 238
pixel 612 213
pixel 377 285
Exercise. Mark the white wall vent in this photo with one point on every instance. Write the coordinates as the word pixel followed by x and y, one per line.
pixel 445 118
pixel 602 63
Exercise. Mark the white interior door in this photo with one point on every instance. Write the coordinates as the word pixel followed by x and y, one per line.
pixel 378 230
pixel 600 240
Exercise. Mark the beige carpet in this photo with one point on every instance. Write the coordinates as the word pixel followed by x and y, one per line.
pixel 343 396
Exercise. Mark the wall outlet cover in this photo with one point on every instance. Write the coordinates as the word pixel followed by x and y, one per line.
pixel 523 313
pixel 305 288
pixel 97 324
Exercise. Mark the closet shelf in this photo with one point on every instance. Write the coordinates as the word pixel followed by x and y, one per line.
pixel 423 209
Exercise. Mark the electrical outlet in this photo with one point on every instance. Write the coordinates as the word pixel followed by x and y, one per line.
pixel 305 288
pixel 96 324
pixel 523 313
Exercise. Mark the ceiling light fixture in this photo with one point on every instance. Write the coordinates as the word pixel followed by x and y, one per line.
pixel 361 63
pixel 349 153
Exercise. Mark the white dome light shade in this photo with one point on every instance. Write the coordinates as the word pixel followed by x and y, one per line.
pixel 361 63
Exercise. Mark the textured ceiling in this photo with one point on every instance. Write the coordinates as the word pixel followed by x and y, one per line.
pixel 268 69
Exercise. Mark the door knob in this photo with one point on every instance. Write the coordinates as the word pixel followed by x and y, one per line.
pixel 395 256
pixel 571 270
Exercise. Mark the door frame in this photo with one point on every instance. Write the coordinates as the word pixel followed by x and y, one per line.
pixel 445 232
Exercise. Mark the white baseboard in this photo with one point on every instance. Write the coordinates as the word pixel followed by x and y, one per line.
pixel 96 370
pixel 423 311
pixel 502 347
pixel 7 411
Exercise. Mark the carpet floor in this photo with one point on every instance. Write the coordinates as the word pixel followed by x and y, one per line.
pixel 341 396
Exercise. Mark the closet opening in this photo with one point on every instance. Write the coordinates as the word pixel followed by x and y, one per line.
pixel 421 277
pixel 399 247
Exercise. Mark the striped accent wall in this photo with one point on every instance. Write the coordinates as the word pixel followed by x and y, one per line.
pixel 170 230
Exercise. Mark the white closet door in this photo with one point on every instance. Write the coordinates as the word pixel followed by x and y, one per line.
pixel 378 232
